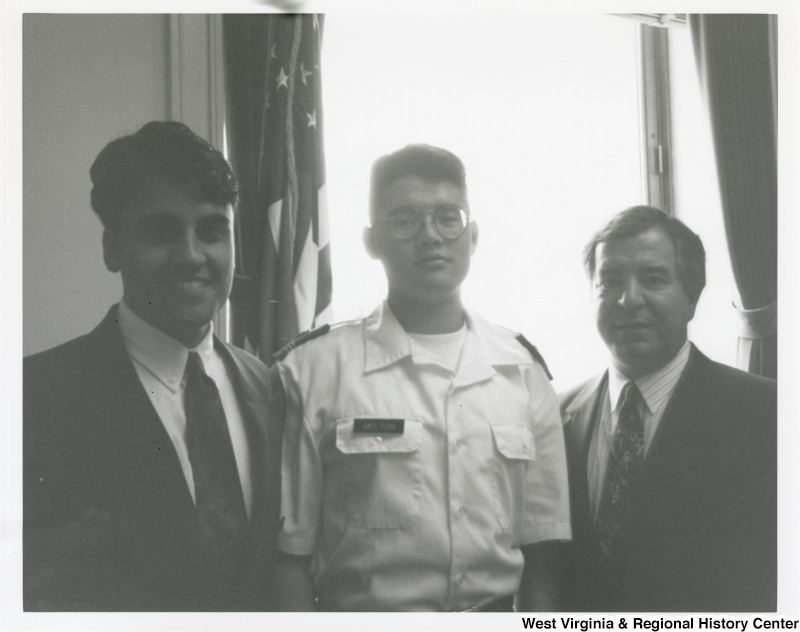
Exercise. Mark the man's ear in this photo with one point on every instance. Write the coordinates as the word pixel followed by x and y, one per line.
pixel 111 250
pixel 693 307
pixel 473 237
pixel 370 240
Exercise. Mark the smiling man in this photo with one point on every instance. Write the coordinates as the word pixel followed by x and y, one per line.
pixel 424 465
pixel 150 457
pixel 672 457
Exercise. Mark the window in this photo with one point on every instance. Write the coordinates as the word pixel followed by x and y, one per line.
pixel 544 111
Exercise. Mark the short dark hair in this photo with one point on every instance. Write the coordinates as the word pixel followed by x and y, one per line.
pixel 160 149
pixel 430 163
pixel 689 251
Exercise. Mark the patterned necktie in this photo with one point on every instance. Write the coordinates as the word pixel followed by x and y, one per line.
pixel 221 525
pixel 624 466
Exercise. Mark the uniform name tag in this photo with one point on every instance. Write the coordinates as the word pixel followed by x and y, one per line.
pixel 370 425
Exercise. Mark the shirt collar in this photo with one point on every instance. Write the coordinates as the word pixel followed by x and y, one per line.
pixel 385 339
pixel 387 342
pixel 655 387
pixel 160 354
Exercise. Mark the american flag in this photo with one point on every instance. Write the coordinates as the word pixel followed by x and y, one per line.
pixel 286 259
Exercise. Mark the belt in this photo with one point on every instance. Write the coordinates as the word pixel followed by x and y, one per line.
pixel 501 604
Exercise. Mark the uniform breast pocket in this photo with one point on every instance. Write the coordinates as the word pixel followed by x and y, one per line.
pixel 514 451
pixel 380 471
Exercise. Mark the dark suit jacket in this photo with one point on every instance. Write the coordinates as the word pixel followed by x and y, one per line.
pixel 106 506
pixel 702 531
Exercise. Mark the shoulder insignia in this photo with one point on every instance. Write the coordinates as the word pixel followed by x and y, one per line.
pixel 535 353
pixel 299 340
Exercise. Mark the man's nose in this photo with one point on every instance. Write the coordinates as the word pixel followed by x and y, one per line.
pixel 631 296
pixel 428 232
pixel 188 249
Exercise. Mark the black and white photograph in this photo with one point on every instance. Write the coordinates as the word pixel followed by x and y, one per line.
pixel 325 313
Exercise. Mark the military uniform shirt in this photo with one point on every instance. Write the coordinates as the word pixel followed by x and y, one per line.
pixel 415 501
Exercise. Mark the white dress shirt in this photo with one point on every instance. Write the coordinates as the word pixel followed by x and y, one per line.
pixel 160 362
pixel 656 389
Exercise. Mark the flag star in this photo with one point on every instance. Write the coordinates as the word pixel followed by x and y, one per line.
pixel 283 79
pixel 312 119
pixel 304 73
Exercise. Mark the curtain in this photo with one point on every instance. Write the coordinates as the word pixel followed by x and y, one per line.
pixel 275 143
pixel 736 63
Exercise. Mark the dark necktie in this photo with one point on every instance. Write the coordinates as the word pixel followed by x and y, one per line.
pixel 221 518
pixel 623 469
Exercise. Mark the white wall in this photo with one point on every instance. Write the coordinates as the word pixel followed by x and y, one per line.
pixel 86 80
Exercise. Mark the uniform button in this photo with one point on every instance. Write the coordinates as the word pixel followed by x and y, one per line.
pixel 379 439
pixel 459 443
pixel 461 511
pixel 461 579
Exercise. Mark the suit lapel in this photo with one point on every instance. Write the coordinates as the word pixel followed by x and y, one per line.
pixel 580 418
pixel 667 506
pixel 583 413
pixel 115 397
pixel 265 451
pixel 253 406
pixel 679 429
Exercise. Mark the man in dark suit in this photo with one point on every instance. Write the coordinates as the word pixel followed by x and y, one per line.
pixel 671 456
pixel 150 457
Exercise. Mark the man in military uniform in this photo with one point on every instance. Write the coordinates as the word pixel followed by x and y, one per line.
pixel 424 465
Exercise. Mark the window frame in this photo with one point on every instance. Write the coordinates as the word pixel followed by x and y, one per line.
pixel 656 117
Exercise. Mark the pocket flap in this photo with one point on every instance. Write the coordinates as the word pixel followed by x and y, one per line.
pixel 514 440
pixel 353 436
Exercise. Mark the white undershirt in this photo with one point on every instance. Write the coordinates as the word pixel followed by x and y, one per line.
pixel 160 363
pixel 441 349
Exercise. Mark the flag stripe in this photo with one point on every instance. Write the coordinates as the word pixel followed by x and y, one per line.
pixel 274 217
pixel 292 189
pixel 285 233
pixel 305 286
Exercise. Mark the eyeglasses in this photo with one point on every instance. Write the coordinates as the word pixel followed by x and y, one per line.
pixel 405 222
